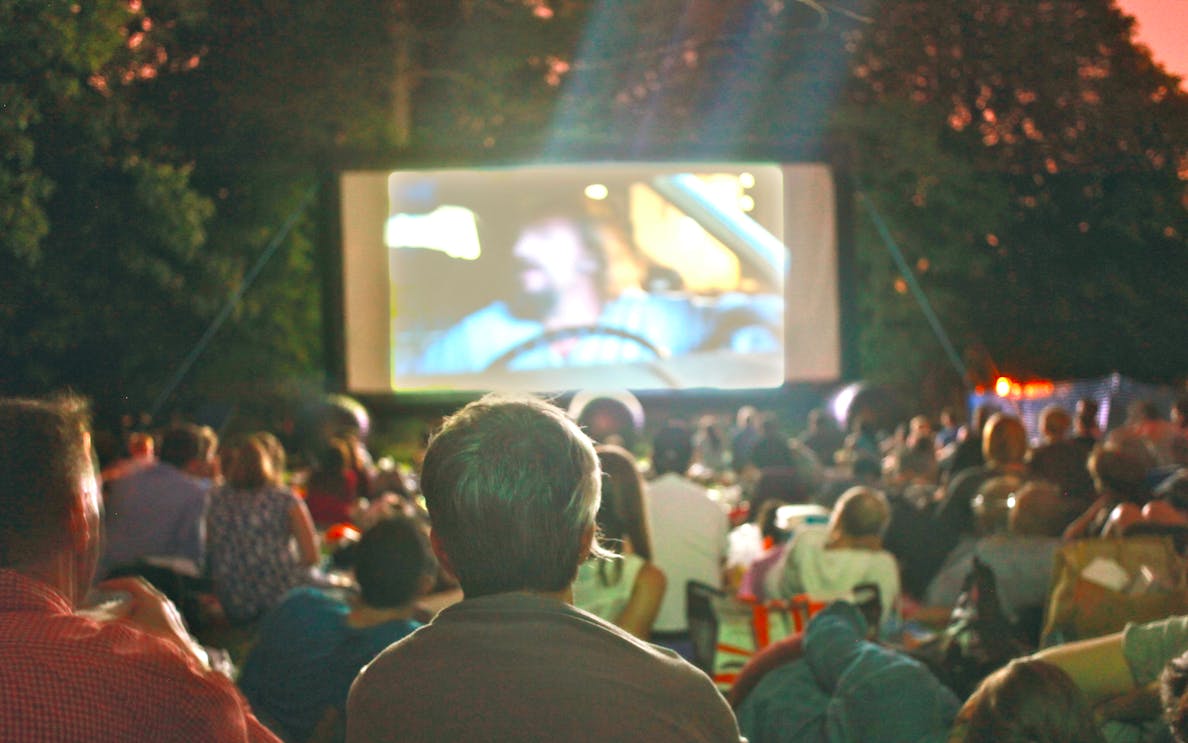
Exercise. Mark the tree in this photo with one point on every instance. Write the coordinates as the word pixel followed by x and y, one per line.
pixel 101 227
pixel 1085 141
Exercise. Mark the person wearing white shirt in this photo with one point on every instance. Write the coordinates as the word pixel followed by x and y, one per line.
pixel 689 531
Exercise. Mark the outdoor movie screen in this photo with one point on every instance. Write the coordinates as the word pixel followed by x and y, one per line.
pixel 546 278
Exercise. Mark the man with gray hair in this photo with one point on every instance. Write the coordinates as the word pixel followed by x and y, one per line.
pixel 512 487
pixel 828 561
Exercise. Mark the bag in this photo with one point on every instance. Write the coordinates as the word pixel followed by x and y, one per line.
pixel 979 638
pixel 1098 585
pixel 726 631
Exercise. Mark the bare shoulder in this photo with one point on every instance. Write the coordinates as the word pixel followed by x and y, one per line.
pixel 651 577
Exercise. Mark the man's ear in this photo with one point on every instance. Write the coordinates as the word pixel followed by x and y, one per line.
pixel 440 553
pixel 425 585
pixel 82 532
pixel 587 543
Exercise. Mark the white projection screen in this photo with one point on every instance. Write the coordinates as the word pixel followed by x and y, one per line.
pixel 543 278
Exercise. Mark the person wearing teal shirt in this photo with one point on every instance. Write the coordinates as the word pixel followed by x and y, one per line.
pixel 311 646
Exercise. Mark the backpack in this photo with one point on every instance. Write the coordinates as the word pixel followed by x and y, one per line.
pixel 979 638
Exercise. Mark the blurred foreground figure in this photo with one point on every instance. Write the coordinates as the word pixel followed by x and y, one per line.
pixel 128 672
pixel 512 488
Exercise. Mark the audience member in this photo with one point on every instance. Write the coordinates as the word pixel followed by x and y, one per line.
pixel 862 472
pixel 689 532
pixel 141 453
pixel 1021 558
pixel 1059 459
pixel 746 432
pixel 310 648
pixel 1004 448
pixel 771 449
pixel 823 437
pixel 332 490
pixel 832 560
pixel 1086 429
pixel 158 511
pixel 512 488
pixel 710 447
pixel 1120 480
pixel 862 443
pixel 1119 673
pixel 845 687
pixel 1145 421
pixel 920 433
pixel 628 589
pixel 1173 686
pixel 969 450
pixel 276 452
pixel 1169 505
pixel 911 493
pixel 208 466
pixel 1027 700
pixel 950 426
pixel 773 541
pixel 249 527
pixel 127 672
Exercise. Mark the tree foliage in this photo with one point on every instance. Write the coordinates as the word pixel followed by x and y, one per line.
pixel 1077 265
pixel 1028 157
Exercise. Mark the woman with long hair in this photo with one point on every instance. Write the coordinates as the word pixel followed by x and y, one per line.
pixel 627 590
pixel 251 526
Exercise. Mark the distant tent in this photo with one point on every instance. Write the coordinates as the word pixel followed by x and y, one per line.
pixel 1114 394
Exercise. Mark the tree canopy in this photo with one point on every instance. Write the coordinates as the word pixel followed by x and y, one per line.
pixel 1030 160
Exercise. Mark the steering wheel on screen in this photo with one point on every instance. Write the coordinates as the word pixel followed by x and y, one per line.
pixel 504 360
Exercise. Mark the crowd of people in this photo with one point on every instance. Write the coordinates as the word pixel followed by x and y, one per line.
pixel 532 583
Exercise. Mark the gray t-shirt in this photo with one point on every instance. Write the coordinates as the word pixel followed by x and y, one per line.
pixel 523 667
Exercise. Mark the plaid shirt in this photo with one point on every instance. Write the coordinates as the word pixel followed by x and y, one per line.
pixel 67 678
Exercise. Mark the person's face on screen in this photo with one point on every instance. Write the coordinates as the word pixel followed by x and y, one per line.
pixel 550 260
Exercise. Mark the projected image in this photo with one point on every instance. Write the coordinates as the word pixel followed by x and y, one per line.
pixel 562 277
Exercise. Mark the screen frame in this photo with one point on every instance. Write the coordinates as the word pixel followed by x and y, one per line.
pixel 362 291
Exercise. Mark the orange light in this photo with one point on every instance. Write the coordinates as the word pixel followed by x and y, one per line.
pixel 1002 386
pixel 1038 389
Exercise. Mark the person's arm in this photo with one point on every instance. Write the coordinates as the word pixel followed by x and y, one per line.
pixel 149 610
pixel 213 708
pixel 1080 527
pixel 1098 666
pixel 305 534
pixel 191 531
pixel 642 607
pixel 1123 515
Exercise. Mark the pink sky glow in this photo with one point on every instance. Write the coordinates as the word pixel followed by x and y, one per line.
pixel 1163 28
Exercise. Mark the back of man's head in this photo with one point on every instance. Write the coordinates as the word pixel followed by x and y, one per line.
pixel 672 450
pixel 916 463
pixel 861 512
pixel 181 444
pixel 1055 422
pixel 392 562
pixel 981 416
pixel 512 487
pixel 1004 440
pixel 1039 510
pixel 42 458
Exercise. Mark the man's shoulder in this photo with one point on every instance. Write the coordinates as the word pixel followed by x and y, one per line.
pixel 514 622
pixel 674 486
pixel 530 669
pixel 116 664
pixel 810 537
pixel 163 479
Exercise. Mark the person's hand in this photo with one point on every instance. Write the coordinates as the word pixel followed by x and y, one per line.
pixel 151 611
